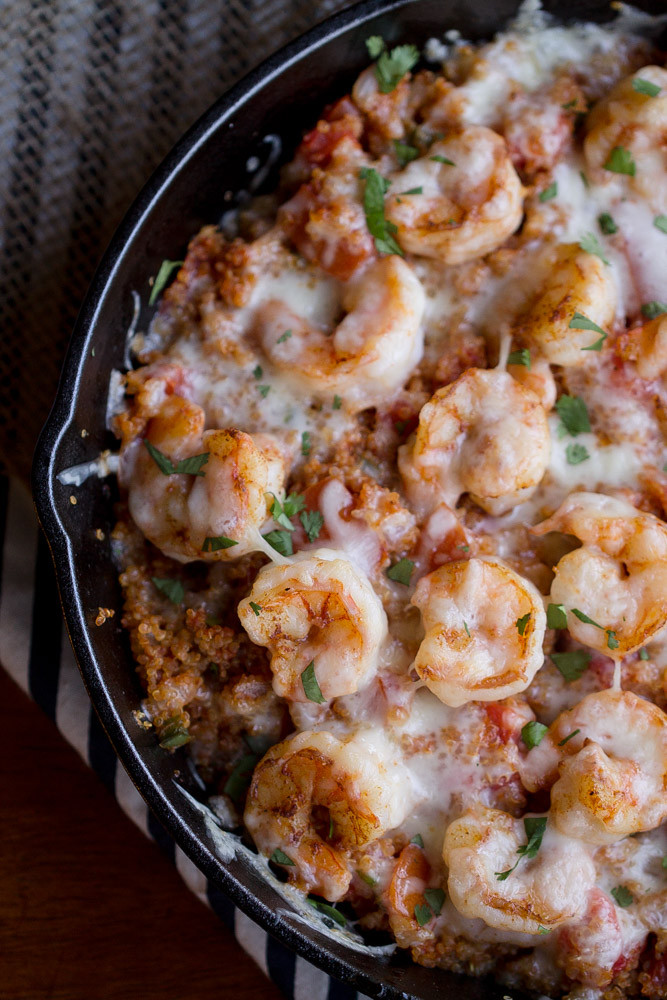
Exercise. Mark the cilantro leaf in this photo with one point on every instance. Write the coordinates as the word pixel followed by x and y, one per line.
pixel 568 738
pixel 584 618
pixel 401 571
pixel 305 444
pixel 239 780
pixel 589 243
pixel 533 733
pixel 258 371
pixel 572 411
pixel 173 589
pixel 283 337
pixel 435 899
pixel 417 840
pixel 612 641
pixel 193 465
pixel 581 322
pixel 576 453
pixel 173 734
pixel 607 224
pixel 162 278
pixel 520 357
pixel 310 685
pixel 281 541
pixel 623 896
pixel 534 827
pixel 380 228
pixel 281 858
pixel 264 390
pixel 281 512
pixel 327 910
pixel 164 464
pixel 653 309
pixel 365 877
pixel 620 161
pixel 256 608
pixel 522 623
pixel 404 153
pixel 392 66
pixel 375 45
pixel 423 913
pixel 549 192
pixel 660 222
pixel 312 522
pixel 442 159
pixel 645 87
pixel 215 543
pixel 293 504
pixel 337 403
pixel 573 664
pixel 643 654
pixel 415 190
pixel 556 616
pixel 465 625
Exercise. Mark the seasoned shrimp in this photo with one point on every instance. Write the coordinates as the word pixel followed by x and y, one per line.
pixel 538 378
pixel 651 359
pixel 372 350
pixel 469 198
pixel 618 578
pixel 542 892
pixel 635 123
pixel 484 630
pixel 485 435
pixel 320 609
pixel 575 281
pixel 227 498
pixel 318 798
pixel 609 778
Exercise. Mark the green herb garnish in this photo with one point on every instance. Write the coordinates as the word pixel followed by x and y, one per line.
pixel 574 415
pixel 576 453
pixel 310 686
pixel 281 541
pixel 192 466
pixel 549 192
pixel 173 734
pixel 380 228
pixel 556 616
pixel 337 403
pixel 522 623
pixel 660 222
pixel 645 87
pixel 217 542
pixel 173 589
pixel 568 738
pixel 653 309
pixel 520 357
pixel 256 608
pixel 281 858
pixel 589 243
pixel 312 522
pixel 623 896
pixel 401 571
pixel 573 664
pixel 534 827
pixel 607 224
pixel 620 161
pixel 285 336
pixel 442 159
pixel 404 153
pixel 532 733
pixel 305 444
pixel 162 278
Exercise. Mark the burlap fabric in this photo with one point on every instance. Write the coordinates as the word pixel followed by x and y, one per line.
pixel 93 93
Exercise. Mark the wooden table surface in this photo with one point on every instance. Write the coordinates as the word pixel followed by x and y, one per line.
pixel 89 908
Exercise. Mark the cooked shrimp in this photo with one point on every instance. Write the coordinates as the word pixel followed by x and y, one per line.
pixel 319 609
pixel 575 281
pixel 406 891
pixel 469 199
pixel 318 798
pixel 618 578
pixel 484 630
pixel 651 359
pixel 485 435
pixel 635 123
pixel 542 892
pixel 538 378
pixel 609 778
pixel 178 512
pixel 372 350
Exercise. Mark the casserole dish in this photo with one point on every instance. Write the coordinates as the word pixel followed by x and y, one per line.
pixel 276 100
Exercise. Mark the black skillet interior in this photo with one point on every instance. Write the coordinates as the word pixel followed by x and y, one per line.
pixel 192 187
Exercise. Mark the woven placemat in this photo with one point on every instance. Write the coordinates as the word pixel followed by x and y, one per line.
pixel 92 97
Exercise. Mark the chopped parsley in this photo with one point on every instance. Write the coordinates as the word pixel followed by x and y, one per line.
pixel 533 733
pixel 573 664
pixel 607 224
pixel 162 278
pixel 327 910
pixel 442 159
pixel 465 625
pixel 417 840
pixel 574 415
pixel 256 608
pixel 192 465
pixel 375 45
pixel 305 444
pixel 312 523
pixel 623 896
pixel 522 623
pixel 612 641
pixel 401 571
pixel 660 222
pixel 415 190
pixel 213 543
pixel 643 86
pixel 310 686
pixel 258 371
pixel 576 453
pixel 239 780
pixel 173 734
pixel 391 67
pixel 653 309
pixel 589 243
pixel 620 161
pixel 423 913
pixel 435 899
pixel 643 654
pixel 264 390
pixel 281 541
pixel 549 192
pixel 365 877
pixel 281 858
pixel 534 827
pixel 337 403
pixel 404 153
pixel 584 179
pixel 380 228
pixel 285 336
pixel 520 357
pixel 173 589
pixel 556 616
pixel 568 738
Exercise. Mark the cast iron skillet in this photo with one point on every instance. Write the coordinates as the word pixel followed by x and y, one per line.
pixel 283 96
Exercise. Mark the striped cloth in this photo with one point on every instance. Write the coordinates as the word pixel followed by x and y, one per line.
pixel 41 661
